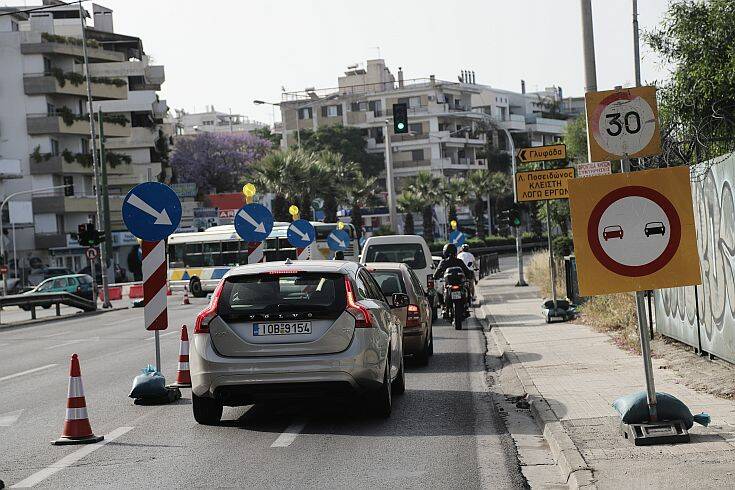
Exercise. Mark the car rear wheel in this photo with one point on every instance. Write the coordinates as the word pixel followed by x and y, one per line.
pixel 431 341
pixel 195 286
pixel 398 386
pixel 423 357
pixel 380 401
pixel 207 411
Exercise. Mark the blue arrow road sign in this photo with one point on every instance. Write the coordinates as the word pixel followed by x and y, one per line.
pixel 301 233
pixel 253 222
pixel 151 211
pixel 338 240
pixel 457 237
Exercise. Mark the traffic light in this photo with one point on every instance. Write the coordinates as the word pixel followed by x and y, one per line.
pixel 89 236
pixel 515 216
pixel 400 118
pixel 503 219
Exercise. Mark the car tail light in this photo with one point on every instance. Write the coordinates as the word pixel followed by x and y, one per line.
pixel 413 318
pixel 455 287
pixel 207 314
pixel 361 314
pixel 430 282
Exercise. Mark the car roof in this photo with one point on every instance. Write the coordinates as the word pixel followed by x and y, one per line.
pixel 613 226
pixel 395 239
pixel 329 266
pixel 387 266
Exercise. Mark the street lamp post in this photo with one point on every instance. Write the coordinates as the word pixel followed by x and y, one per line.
pixel 519 244
pixel 2 241
pixel 389 184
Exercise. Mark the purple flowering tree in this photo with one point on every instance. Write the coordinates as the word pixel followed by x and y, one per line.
pixel 216 162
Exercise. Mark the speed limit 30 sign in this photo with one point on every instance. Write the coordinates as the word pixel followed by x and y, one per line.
pixel 623 123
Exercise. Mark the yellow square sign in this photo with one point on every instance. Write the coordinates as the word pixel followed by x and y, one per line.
pixel 622 123
pixel 540 185
pixel 634 231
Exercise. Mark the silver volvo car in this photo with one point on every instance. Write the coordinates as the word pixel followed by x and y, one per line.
pixel 296 329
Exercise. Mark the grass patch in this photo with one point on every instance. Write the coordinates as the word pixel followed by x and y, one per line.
pixel 539 275
pixel 614 314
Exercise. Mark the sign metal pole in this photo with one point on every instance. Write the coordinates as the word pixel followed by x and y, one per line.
pixel 552 267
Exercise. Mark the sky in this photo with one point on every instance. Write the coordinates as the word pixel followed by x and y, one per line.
pixel 227 53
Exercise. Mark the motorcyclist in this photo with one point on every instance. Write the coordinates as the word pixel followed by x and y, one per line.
pixel 449 259
pixel 466 256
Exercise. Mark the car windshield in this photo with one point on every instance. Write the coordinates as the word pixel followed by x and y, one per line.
pixel 411 254
pixel 293 292
pixel 390 282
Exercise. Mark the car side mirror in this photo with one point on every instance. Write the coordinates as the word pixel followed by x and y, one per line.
pixel 399 300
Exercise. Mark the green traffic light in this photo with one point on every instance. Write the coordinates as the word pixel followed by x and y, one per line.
pixel 401 125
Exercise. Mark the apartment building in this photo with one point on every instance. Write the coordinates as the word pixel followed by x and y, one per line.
pixel 444 117
pixel 213 121
pixel 44 125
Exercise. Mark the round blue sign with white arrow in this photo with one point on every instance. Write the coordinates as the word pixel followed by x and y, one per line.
pixel 253 222
pixel 151 211
pixel 301 233
pixel 457 237
pixel 338 240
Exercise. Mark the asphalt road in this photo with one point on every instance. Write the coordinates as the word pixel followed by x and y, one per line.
pixel 444 431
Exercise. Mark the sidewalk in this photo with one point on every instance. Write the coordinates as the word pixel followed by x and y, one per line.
pixel 579 372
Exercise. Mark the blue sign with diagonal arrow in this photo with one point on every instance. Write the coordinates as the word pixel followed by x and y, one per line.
pixel 338 240
pixel 301 233
pixel 457 238
pixel 151 211
pixel 253 222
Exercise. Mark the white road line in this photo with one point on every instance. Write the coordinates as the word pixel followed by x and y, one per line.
pixel 64 344
pixel 70 459
pixel 289 435
pixel 162 335
pixel 54 335
pixel 11 376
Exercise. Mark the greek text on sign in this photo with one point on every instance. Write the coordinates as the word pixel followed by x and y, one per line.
pixel 539 185
pixel 542 153
pixel 634 231
pixel 593 168
pixel 623 123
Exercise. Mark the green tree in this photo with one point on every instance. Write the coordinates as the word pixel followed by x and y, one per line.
pixel 348 142
pixel 335 177
pixel 697 104
pixel 456 192
pixel 264 132
pixel 282 173
pixel 575 137
pixel 428 188
pixel 408 202
pixel 364 193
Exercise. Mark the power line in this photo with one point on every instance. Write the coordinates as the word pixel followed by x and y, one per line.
pixel 43 7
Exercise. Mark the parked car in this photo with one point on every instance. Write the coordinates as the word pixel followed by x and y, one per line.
pixel 614 231
pixel 79 284
pixel 39 275
pixel 438 283
pixel 282 330
pixel 411 250
pixel 418 339
pixel 121 274
pixel 655 228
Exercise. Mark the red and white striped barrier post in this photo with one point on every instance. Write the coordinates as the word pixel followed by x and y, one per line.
pixel 155 311
pixel 255 252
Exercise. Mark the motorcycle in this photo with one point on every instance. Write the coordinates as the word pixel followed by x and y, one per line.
pixel 456 295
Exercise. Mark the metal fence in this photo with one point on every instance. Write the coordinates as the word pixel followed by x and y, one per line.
pixel 489 264
pixel 704 316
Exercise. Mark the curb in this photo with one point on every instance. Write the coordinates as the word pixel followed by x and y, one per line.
pixel 568 458
pixel 71 316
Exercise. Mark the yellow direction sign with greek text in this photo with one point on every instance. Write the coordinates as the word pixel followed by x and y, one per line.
pixel 539 185
pixel 542 153
pixel 634 231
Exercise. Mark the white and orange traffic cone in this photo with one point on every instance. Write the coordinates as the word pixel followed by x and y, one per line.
pixel 76 423
pixel 183 376
pixel 168 290
pixel 185 301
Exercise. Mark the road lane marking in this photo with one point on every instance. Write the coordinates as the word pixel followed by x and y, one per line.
pixel 64 344
pixel 54 335
pixel 70 459
pixel 7 419
pixel 162 335
pixel 11 376
pixel 289 435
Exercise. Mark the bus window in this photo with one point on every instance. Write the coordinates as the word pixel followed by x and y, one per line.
pixel 176 255
pixel 229 253
pixel 211 254
pixel 193 255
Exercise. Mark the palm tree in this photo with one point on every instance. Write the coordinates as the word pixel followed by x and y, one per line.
pixel 282 173
pixel 336 178
pixel 427 188
pixel 409 202
pixel 478 182
pixel 455 192
pixel 363 193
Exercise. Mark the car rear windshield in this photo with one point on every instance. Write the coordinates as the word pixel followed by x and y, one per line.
pixel 301 292
pixel 411 254
pixel 390 282
pixel 84 279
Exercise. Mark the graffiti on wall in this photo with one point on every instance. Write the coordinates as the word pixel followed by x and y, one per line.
pixel 708 320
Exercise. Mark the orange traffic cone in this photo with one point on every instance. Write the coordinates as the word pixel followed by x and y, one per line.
pixel 183 376
pixel 186 296
pixel 76 423
pixel 168 290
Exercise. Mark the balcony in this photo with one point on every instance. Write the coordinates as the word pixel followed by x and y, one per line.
pixel 413 165
pixel 39 124
pixel 45 241
pixel 33 42
pixel 136 138
pixel 57 203
pixel 80 204
pixel 39 84
pixel 514 122
pixel 546 125
pixel 58 165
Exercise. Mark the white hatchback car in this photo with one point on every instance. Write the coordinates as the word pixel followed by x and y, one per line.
pixel 281 330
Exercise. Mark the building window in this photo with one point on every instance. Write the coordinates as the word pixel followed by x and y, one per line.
pixel 414 102
pixel 69 181
pixel 416 128
pixel 47 66
pixel 360 106
pixel 305 113
pixel 332 110
pixel 376 106
pixel 55 147
pixel 50 109
pixel 417 155
pixel 207 123
pixel 85 146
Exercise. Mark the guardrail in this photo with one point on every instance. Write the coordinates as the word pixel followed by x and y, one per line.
pixel 42 299
pixel 489 264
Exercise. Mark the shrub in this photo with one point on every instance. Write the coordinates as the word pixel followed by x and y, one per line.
pixel 614 313
pixel 562 246
pixel 383 230
pixel 539 275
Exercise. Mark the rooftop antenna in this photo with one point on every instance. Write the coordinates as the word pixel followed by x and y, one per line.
pixel 377 48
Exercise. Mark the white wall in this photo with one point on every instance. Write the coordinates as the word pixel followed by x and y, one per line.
pixel 46 223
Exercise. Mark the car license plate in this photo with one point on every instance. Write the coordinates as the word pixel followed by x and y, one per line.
pixel 281 328
pixel 554 318
pixel 456 295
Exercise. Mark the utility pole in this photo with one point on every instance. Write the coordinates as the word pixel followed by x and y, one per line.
pixel 636 45
pixel 106 221
pixel 588 47
pixel 519 244
pixel 392 213
pixel 95 160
